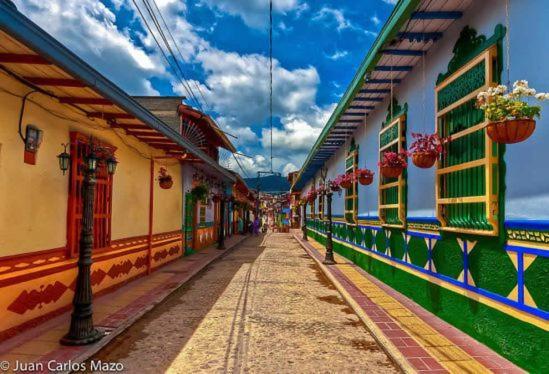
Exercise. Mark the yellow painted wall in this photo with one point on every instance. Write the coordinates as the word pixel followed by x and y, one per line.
pixel 33 198
pixel 168 211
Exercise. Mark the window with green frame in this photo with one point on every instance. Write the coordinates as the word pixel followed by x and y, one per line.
pixel 468 173
pixel 392 191
pixel 320 204
pixel 351 193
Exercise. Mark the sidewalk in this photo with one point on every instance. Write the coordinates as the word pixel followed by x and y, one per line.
pixel 113 312
pixel 417 340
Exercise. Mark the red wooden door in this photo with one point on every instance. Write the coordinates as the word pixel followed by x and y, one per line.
pixel 103 195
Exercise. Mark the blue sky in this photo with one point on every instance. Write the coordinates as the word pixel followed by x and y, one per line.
pixel 317 47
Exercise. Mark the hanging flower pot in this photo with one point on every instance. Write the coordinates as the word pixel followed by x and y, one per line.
pixel 393 164
pixel 346 180
pixel 311 196
pixel 164 179
pixel 391 171
pixel 334 185
pixel 511 131
pixel 365 176
pixel 424 160
pixel 199 192
pixel 511 116
pixel 426 148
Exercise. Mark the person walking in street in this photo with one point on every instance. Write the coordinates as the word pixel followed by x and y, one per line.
pixel 256 226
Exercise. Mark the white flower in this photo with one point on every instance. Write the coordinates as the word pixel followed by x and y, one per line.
pixel 520 83
pixel 500 90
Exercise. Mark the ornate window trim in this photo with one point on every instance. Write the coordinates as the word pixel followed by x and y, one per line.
pixel 392 191
pixel 468 175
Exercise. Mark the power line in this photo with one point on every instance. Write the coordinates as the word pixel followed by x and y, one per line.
pixel 178 50
pixel 170 64
pixel 271 75
pixel 167 44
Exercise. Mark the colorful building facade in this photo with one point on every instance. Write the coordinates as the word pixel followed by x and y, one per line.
pixel 53 103
pixel 467 238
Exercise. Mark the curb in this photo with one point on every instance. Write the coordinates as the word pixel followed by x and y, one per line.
pixel 110 335
pixel 392 351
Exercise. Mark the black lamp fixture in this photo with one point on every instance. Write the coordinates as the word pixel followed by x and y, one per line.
pixel 112 162
pixel 82 330
pixel 329 257
pixel 64 159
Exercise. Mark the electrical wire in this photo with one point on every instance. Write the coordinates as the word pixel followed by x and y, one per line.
pixel 271 76
pixel 164 55
pixel 179 51
pixel 178 67
pixel 160 30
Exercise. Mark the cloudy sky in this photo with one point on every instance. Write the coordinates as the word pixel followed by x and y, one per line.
pixel 223 50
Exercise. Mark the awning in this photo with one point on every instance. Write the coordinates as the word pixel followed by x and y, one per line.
pixel 412 29
pixel 35 58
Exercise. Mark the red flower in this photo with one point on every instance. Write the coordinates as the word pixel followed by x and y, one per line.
pixel 394 160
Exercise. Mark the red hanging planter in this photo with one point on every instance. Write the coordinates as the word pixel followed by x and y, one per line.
pixel 391 171
pixel 365 176
pixel 424 160
pixel 511 131
pixel 165 180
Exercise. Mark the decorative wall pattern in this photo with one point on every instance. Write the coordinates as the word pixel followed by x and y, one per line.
pixel 45 288
pixel 480 266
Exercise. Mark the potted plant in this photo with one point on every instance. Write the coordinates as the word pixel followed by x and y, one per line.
pixel 426 148
pixel 199 192
pixel 164 179
pixel 334 185
pixel 510 116
pixel 311 195
pixel 364 176
pixel 346 180
pixel 393 164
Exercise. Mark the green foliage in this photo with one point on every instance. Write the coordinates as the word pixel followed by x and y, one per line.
pixel 199 192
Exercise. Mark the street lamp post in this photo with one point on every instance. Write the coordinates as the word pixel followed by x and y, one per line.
pixel 327 190
pixel 304 227
pixel 82 330
pixel 221 236
pixel 329 258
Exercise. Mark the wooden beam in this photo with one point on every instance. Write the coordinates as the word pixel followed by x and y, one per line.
pixel 14 58
pixel 437 15
pixel 129 126
pixel 85 100
pixel 110 115
pixel 146 134
pixel 403 52
pixel 54 82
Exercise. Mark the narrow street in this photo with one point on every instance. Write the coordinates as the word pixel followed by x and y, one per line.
pixel 265 307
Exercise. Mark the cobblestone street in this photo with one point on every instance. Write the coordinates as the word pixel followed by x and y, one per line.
pixel 265 307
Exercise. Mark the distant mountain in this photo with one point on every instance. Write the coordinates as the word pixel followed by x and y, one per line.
pixel 271 183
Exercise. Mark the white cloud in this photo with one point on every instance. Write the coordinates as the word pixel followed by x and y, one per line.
pixel 337 55
pixel 235 86
pixel 392 2
pixel 254 13
pixel 375 19
pixel 332 15
pixel 88 28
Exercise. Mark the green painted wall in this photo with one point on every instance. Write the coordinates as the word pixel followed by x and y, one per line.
pixel 524 344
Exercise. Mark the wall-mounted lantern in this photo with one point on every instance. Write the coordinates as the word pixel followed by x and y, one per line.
pixel 111 165
pixel 64 159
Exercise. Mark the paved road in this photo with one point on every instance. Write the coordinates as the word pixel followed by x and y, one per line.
pixel 264 308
